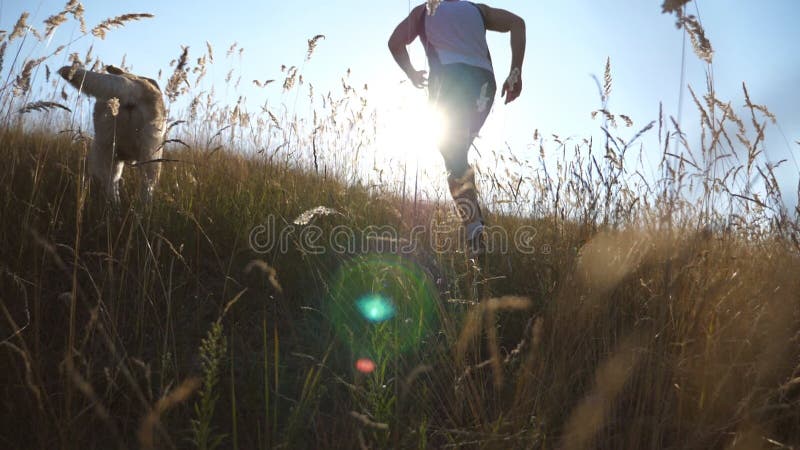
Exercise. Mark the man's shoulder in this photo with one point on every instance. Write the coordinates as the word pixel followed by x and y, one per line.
pixel 482 6
pixel 419 10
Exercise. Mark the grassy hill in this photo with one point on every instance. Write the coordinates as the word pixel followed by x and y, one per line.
pixel 161 323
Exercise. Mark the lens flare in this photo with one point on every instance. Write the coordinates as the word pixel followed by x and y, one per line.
pixel 365 365
pixel 382 302
pixel 375 308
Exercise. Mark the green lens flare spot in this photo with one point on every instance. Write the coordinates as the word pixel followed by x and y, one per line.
pixel 375 308
pixel 382 303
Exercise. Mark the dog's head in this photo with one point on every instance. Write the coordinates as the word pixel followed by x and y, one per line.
pixel 127 87
pixel 132 91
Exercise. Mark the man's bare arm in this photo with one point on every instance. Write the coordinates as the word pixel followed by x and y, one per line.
pixel 403 35
pixel 504 22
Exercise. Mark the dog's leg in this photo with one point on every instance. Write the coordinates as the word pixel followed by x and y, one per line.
pixel 105 170
pixel 116 176
pixel 152 171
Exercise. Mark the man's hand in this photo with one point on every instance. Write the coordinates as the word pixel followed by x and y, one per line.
pixel 512 86
pixel 403 35
pixel 418 78
pixel 504 21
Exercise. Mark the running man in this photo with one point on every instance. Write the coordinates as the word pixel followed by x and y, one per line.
pixel 461 85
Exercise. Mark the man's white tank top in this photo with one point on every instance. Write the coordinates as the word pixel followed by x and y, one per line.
pixel 457 33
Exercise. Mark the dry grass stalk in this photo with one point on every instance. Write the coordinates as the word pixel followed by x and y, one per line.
pixel 700 43
pixel 72 7
pixel 113 106
pixel 704 118
pixel 75 8
pixel 103 27
pixel 53 22
pixel 367 422
pixel 607 81
pixel 178 77
pixel 673 6
pixel 535 339
pixel 262 84
pixel 231 49
pixel 97 66
pixel 611 118
pixel 589 417
pixel 75 59
pixel 172 398
pixel 20 27
pixel 22 83
pixel 29 376
pixel 312 45
pixel 200 69
pixel 752 106
pixel 270 271
pixel 88 391
pixel 42 106
pixel 484 313
pixel 731 115
pixel 58 50
pixel 291 76
pixel 272 117
pixel 230 304
pixel 418 371
pixel 210 52
pixel 3 53
pixel 308 216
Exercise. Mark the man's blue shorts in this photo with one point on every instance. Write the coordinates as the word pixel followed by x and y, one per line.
pixel 464 95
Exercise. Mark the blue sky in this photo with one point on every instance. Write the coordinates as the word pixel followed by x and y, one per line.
pixel 568 40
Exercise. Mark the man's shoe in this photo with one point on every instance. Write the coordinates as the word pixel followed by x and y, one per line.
pixel 477 246
pixel 475 239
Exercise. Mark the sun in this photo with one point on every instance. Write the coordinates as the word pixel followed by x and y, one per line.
pixel 409 129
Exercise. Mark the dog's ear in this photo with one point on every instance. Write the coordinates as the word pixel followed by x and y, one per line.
pixel 114 70
pixel 153 82
pixel 67 72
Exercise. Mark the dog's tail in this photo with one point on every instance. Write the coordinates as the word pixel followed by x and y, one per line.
pixel 99 85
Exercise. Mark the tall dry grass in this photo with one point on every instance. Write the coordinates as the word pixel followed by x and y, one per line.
pixel 652 312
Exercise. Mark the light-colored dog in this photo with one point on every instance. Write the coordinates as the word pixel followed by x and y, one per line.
pixel 135 133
